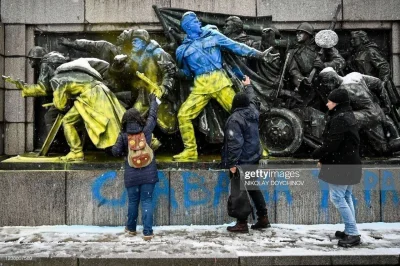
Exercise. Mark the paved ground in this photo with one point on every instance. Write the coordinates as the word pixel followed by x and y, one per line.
pixel 197 245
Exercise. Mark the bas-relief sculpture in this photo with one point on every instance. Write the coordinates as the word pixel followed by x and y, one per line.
pixel 95 93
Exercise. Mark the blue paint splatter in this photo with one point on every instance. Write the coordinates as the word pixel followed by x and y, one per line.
pixel 163 189
pixel 284 189
pixel 104 179
pixel 222 187
pixel 388 185
pixel 194 182
pixel 371 180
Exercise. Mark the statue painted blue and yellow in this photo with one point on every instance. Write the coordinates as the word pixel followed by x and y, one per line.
pixel 199 56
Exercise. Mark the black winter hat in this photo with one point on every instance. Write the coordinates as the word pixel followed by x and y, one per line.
pixel 339 96
pixel 240 100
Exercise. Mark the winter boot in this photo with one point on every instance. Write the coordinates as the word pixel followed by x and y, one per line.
pixel 262 222
pixel 340 234
pixel 132 233
pixel 148 238
pixel 349 241
pixel 239 227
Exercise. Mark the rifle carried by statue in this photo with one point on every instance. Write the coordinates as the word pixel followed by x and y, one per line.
pixel 166 108
pixel 52 134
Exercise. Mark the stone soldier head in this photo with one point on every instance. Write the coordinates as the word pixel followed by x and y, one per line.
pixel 233 26
pixel 124 41
pixel 269 35
pixel 140 39
pixel 329 79
pixel 358 38
pixel 304 32
pixel 124 38
pixel 35 56
pixel 53 60
pixel 190 23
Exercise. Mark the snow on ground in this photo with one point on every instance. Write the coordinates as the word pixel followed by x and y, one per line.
pixel 172 241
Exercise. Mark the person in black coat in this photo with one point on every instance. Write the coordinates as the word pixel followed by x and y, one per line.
pixel 340 162
pixel 139 182
pixel 242 147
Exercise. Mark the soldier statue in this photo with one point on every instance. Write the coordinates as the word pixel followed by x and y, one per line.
pixel 370 103
pixel 304 58
pixel 199 56
pixel 159 68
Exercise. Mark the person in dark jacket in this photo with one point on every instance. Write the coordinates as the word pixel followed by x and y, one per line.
pixel 369 102
pixel 139 182
pixel 242 147
pixel 340 162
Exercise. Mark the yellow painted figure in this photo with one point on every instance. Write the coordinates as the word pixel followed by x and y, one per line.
pixel 93 104
pixel 158 66
pixel 215 85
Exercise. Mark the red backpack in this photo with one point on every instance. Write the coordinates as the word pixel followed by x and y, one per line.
pixel 139 152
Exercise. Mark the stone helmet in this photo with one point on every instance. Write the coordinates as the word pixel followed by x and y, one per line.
pixel 55 58
pixel 37 52
pixel 274 29
pixel 306 27
pixel 237 22
pixel 361 34
pixel 142 34
pixel 125 37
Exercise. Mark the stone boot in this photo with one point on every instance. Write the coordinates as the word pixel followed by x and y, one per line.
pixel 73 156
pixel 239 227
pixel 186 156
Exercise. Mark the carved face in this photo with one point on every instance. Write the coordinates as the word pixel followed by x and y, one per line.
pixel 138 45
pixel 331 105
pixel 329 83
pixel 34 62
pixel 355 41
pixel 302 36
pixel 229 28
pixel 193 26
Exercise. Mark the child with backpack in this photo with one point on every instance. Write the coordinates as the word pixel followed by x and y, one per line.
pixel 140 174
